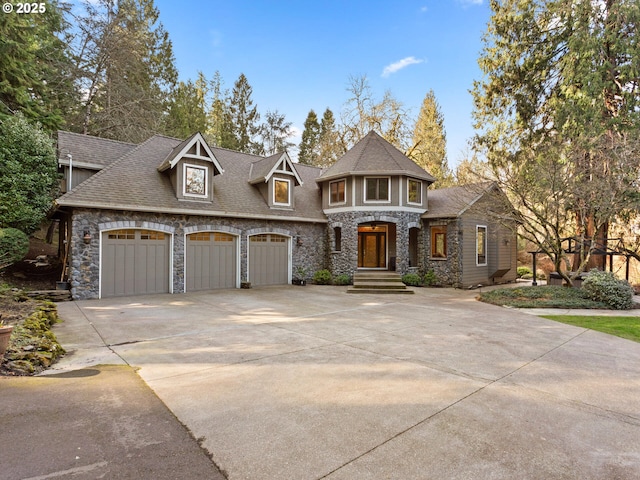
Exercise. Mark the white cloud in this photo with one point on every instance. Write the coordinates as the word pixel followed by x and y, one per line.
pixel 467 3
pixel 399 65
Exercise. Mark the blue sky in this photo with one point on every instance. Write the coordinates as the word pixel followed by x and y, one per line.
pixel 300 55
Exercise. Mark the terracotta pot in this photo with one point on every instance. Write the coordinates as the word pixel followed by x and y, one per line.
pixel 5 334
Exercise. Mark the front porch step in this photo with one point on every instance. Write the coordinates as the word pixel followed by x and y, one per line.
pixel 378 282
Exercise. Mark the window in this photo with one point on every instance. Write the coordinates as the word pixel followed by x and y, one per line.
pixel 195 181
pixel 222 237
pixel 281 192
pixel 414 192
pixel 200 237
pixel 122 235
pixel 377 189
pixel 151 235
pixel 337 191
pixel 337 237
pixel 439 242
pixel 481 245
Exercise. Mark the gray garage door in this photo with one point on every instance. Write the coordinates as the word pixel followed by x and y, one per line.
pixel 134 262
pixel 268 259
pixel 211 261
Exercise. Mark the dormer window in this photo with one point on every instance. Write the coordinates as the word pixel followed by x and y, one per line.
pixel 195 181
pixel 281 192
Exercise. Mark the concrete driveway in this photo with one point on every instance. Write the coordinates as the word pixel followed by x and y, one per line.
pixel 312 383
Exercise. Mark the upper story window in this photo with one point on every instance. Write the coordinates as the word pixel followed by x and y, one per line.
pixel 195 181
pixel 377 189
pixel 281 192
pixel 414 191
pixel 337 191
pixel 481 245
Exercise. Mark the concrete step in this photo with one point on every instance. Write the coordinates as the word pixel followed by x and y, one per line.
pixel 378 282
pixel 380 291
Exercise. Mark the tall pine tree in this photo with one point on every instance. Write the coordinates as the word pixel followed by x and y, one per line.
pixel 35 69
pixel 242 119
pixel 188 109
pixel 329 147
pixel 429 148
pixel 309 143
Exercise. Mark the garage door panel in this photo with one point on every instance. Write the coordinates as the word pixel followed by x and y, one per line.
pixel 268 259
pixel 134 262
pixel 211 261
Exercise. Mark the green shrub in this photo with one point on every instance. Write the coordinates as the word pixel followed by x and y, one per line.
pixel 14 246
pixel 430 278
pixel 343 279
pixel 605 287
pixel 411 279
pixel 322 277
pixel 522 271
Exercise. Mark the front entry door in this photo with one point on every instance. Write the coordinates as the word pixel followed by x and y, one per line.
pixel 372 248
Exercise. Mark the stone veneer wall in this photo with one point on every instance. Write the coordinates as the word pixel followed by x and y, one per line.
pixel 308 240
pixel 346 260
pixel 448 271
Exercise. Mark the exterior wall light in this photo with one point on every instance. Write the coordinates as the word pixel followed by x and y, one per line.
pixel 86 236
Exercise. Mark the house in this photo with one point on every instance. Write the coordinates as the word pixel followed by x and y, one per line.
pixel 169 216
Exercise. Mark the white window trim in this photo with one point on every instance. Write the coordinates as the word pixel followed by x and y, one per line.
pixel 184 181
pixel 364 193
pixel 288 182
pixel 343 202
pixel 408 191
pixel 486 254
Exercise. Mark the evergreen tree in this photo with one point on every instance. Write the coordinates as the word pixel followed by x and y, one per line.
pixel 309 143
pixel 127 69
pixel 558 115
pixel 217 116
pixel 329 147
pixel 242 119
pixel 35 70
pixel 187 111
pixel 430 143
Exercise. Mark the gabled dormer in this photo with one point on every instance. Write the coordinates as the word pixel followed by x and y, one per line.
pixel 275 177
pixel 192 166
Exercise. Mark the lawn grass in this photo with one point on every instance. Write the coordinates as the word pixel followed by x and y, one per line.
pixel 624 327
pixel 543 296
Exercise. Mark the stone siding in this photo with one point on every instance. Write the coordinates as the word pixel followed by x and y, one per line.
pixel 345 261
pixel 308 242
pixel 448 271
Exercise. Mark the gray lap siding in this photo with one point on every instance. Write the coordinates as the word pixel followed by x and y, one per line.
pixel 308 242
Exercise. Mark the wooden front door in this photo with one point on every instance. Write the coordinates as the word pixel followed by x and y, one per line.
pixel 372 248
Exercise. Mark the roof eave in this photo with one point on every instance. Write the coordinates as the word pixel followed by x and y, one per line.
pixel 186 211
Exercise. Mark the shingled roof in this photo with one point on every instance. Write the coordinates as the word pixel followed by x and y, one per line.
pixel 454 201
pixel 90 151
pixel 373 155
pixel 134 183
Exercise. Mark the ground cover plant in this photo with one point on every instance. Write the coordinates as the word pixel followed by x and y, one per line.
pixel 543 296
pixel 624 327
pixel 33 346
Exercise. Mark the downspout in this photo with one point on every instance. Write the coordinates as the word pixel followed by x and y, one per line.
pixel 70 186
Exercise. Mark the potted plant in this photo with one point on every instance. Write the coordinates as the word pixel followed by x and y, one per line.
pixel 301 276
pixel 5 334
